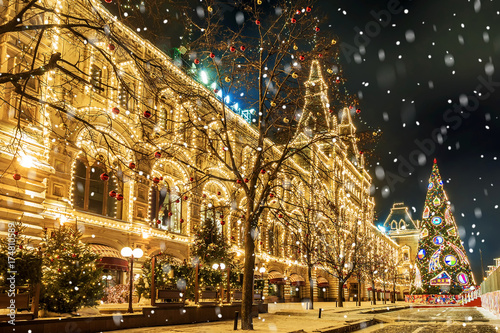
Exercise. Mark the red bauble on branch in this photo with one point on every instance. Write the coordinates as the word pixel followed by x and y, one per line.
pixel 232 49
pixel 157 154
pixel 147 114
pixel 119 197
pixel 108 1
pixel 257 22
pixel 308 9
pixel 16 176
pixel 104 176
pixel 112 194
pixel 191 179
pixel 316 29
pixel 246 180
pixel 131 165
pixel 302 58
pixel 170 214
pixel 111 47
pixel 156 180
pixel 158 221
pixel 212 55
pixel 222 222
pixel 263 171
pixel 196 61
pixel 271 195
pixel 115 110
pixel 280 215
pixel 242 48
pixel 293 20
pixel 181 220
pixel 358 110
pixel 238 181
pixel 185 198
pixel 218 193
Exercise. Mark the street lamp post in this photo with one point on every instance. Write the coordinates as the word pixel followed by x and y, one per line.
pixel 127 252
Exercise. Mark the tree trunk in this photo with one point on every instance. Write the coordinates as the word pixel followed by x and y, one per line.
pixel 248 272
pixel 311 287
pixel 341 294
pixel 374 299
pixel 394 293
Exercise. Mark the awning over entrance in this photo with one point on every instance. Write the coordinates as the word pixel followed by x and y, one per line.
pixel 297 280
pixel 276 277
pixel 322 282
pixel 110 258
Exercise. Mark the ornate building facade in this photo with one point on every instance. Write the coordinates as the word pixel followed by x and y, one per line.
pixel 89 119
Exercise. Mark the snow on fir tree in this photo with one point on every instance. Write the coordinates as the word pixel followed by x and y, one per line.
pixel 71 280
pixel 442 264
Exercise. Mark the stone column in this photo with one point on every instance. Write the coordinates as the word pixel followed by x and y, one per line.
pixel 286 291
pixel 265 292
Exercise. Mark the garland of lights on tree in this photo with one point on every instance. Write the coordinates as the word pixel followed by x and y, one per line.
pixel 442 264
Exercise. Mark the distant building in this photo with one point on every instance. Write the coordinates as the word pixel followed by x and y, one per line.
pixel 404 230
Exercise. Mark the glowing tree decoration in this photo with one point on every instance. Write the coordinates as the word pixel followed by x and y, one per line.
pixel 441 259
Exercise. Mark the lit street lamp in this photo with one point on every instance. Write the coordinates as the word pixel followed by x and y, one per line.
pixel 127 252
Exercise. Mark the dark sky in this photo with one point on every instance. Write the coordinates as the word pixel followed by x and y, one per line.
pixel 413 73
pixel 424 62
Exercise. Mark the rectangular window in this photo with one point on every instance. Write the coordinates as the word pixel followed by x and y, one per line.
pixel 95 76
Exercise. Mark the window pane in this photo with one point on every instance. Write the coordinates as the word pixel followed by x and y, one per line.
pixel 96 191
pixel 79 186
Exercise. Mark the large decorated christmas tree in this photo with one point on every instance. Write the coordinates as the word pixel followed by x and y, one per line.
pixel 442 264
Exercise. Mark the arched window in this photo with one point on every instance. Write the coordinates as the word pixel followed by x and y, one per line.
pixel 166 207
pixel 91 194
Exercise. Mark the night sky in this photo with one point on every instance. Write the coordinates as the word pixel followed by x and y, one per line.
pixel 415 73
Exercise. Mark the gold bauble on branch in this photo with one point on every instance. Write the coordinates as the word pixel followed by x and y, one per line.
pixel 294 75
pixel 295 47
pixel 210 9
pixel 273 104
pixel 227 79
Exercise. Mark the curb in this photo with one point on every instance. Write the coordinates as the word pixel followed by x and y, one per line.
pixel 356 326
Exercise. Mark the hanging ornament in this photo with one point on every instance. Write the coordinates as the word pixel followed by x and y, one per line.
pixel 112 194
pixel 177 201
pixel 242 48
pixel 246 180
pixel 191 179
pixel 156 180
pixel 108 1
pixel 157 154
pixel 185 198
pixel 358 111
pixel 295 75
pixel 293 20
pixel 210 9
pixel 203 195
pixel 119 197
pixel 297 12
pixel 316 29
pixel 337 81
pixel 216 90
pixel 232 49
pixel 257 22
pixel 218 193
pixel 361 152
pixel 212 55
pixel 227 79
pixel 436 202
pixel 196 61
pixel 111 47
pixel 170 214
pixel 295 47
pixel 115 110
pixel 158 221
pixel 147 114
pixel 334 42
pixel 329 71
pixel 426 212
pixel 181 220
pixel 308 9
pixel 238 181
pixel 259 2
pixel 320 55
pixel 263 171
pixel 104 176
pixel 271 195
pixel 273 104
pixel 286 120
pixel 280 215
pixel 16 176
pixel 131 165
pixel 301 58
pixel 222 222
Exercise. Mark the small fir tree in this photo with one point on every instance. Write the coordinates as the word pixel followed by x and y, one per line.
pixel 442 264
pixel 71 279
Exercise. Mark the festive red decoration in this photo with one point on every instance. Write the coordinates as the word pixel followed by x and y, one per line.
pixel 158 221
pixel 147 114
pixel 308 9
pixel 185 198
pixel 212 55
pixel 115 110
pixel 196 61
pixel 216 90
pixel 170 214
pixel 119 197
pixel 435 161
pixel 293 20
pixel 20 246
pixel 257 22
pixel 297 12
pixel 246 180
pixel 218 193
pixel 330 110
pixel 238 181
pixel 232 49
pixel 320 55
pixel 156 180
pixel 191 179
pixel 131 165
pixel 16 176
pixel 204 195
pixel 301 58
pixel 111 47
pixel 361 152
pixel 181 220
pixel 157 154
pixel 263 171
pixel 242 48
pixel 222 222
pixel 104 176
pixel 271 195
pixel 337 81
pixel 177 201
pixel 280 215
pixel 316 29
pixel 108 1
